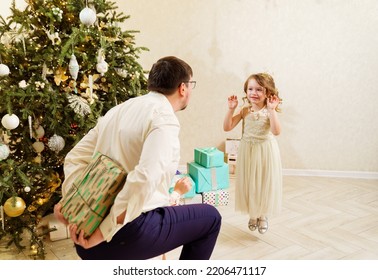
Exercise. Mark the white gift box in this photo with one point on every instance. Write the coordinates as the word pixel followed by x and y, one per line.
pixel 232 146
pixel 60 231
pixel 192 200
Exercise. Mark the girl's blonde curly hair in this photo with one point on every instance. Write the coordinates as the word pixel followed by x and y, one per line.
pixel 266 81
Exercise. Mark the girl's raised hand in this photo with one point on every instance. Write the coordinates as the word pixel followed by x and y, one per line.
pixel 273 102
pixel 232 102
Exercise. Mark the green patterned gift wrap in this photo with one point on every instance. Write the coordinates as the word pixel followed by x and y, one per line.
pixel 209 157
pixel 89 199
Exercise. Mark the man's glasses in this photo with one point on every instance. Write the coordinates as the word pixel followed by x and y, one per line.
pixel 192 83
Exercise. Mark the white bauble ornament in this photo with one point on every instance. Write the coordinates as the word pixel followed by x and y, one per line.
pixel 56 143
pixel 73 67
pixel 121 72
pixel 102 67
pixel 38 146
pixel 27 189
pixel 87 16
pixel 4 151
pixel 39 132
pixel 10 121
pixel 4 70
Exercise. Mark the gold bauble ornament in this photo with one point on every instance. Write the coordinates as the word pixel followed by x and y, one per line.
pixel 38 146
pixel 14 206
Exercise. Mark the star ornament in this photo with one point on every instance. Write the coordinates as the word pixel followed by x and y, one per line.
pixel 60 76
pixel 85 83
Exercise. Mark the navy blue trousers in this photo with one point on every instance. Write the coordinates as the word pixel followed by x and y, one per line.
pixel 195 226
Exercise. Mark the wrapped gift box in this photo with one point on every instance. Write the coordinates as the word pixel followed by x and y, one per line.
pixel 232 146
pixel 209 157
pixel 191 200
pixel 92 194
pixel 209 179
pixel 56 229
pixel 216 198
pixel 190 193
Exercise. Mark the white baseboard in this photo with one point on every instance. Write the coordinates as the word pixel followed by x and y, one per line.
pixel 329 173
pixel 318 173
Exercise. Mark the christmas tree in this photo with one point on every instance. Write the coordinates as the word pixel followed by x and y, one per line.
pixel 63 64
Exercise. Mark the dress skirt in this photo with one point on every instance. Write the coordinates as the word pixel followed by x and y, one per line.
pixel 258 189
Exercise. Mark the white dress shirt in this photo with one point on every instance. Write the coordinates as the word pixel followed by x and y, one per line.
pixel 142 134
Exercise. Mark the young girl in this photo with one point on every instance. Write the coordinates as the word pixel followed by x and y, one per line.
pixel 258 190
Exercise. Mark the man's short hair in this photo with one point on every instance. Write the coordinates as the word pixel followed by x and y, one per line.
pixel 167 74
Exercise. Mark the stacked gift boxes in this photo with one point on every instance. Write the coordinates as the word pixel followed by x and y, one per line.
pixel 211 176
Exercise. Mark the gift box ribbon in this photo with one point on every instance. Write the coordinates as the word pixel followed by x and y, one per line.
pixel 213 178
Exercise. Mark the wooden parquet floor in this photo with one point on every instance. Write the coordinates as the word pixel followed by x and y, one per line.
pixel 322 219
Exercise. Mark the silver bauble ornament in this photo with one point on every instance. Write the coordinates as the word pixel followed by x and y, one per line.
pixel 56 143
pixel 87 16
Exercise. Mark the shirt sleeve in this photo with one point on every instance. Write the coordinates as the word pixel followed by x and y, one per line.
pixel 154 169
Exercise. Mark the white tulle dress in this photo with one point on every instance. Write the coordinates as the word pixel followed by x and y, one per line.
pixel 258 189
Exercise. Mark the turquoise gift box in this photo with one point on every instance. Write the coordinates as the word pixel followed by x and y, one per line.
pixel 209 179
pixel 209 157
pixel 189 194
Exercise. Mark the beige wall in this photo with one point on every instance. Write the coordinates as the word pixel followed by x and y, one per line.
pixel 322 54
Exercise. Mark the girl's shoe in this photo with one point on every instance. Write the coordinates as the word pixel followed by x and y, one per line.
pixel 252 224
pixel 262 225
